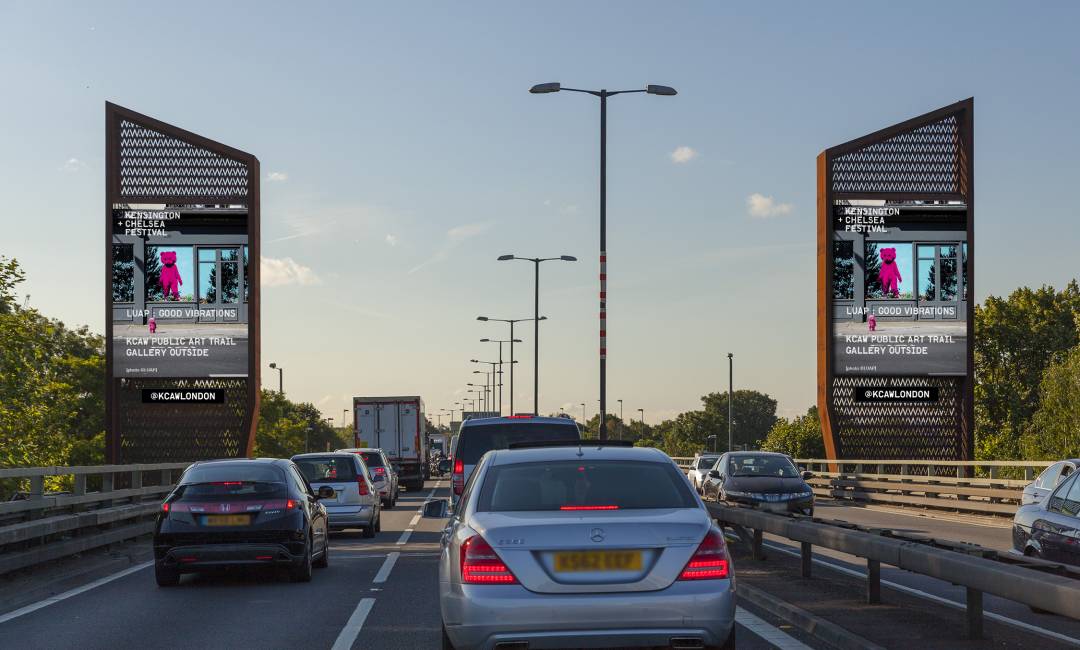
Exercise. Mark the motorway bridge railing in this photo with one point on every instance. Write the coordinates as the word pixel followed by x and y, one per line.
pixel 38 526
pixel 1044 585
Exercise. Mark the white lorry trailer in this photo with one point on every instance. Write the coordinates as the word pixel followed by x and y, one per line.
pixel 397 426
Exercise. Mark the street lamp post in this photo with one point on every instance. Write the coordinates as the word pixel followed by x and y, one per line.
pixel 536 321
pixel 641 412
pixel 512 339
pixel 583 414
pixel 280 377
pixel 730 397
pixel 500 342
pixel 603 94
pixel 620 418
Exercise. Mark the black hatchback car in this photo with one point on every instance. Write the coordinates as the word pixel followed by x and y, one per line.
pixel 241 512
pixel 764 480
pixel 1050 529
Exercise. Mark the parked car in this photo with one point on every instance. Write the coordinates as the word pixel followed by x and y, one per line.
pixel 611 538
pixel 477 436
pixel 764 480
pixel 382 473
pixel 1049 479
pixel 1050 529
pixel 356 502
pixel 699 467
pixel 241 512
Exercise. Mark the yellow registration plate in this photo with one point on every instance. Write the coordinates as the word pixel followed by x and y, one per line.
pixel 598 561
pixel 228 520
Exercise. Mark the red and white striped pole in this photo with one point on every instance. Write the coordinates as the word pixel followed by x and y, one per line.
pixel 603 266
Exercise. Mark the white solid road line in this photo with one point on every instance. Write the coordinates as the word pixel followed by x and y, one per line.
pixel 768 632
pixel 387 567
pixel 352 628
pixel 73 592
pixel 1034 629
pixel 404 536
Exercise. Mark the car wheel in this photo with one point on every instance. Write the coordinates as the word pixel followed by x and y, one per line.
pixel 369 530
pixel 447 644
pixel 388 504
pixel 378 523
pixel 166 576
pixel 302 572
pixel 324 559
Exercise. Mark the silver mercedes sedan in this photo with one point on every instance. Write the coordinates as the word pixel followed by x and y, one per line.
pixel 581 547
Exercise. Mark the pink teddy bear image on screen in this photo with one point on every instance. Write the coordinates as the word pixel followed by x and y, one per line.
pixel 170 275
pixel 889 275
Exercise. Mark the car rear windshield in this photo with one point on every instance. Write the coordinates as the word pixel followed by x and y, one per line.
pixel 584 485
pixel 326 469
pixel 235 481
pixel 372 459
pixel 706 461
pixel 477 440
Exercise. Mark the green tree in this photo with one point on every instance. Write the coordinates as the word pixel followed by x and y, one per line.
pixel 1054 431
pixel 1016 339
pixel 286 428
pixel 753 415
pixel 799 437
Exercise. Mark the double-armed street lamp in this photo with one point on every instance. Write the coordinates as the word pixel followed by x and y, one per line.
pixel 536 313
pixel 603 95
pixel 512 339
pixel 500 342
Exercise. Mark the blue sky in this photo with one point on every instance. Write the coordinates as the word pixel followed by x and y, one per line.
pixel 402 153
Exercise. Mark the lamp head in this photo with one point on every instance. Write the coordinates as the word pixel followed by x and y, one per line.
pixel 568 258
pixel 481 318
pixel 660 90
pixel 274 365
pixel 503 258
pixel 485 340
pixel 540 89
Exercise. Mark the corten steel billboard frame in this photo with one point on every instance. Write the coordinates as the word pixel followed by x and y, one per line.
pixel 895 164
pixel 162 163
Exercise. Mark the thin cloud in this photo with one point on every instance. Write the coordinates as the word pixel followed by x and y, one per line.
pixel 765 207
pixel 286 272
pixel 72 165
pixel 682 155
pixel 391 239
pixel 454 238
pixel 277 177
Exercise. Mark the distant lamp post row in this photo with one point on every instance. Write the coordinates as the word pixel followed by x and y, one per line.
pixel 500 383
pixel 511 340
pixel 603 94
pixel 536 317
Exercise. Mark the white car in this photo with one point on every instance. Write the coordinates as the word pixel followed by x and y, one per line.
pixel 553 545
pixel 1050 478
pixel 699 468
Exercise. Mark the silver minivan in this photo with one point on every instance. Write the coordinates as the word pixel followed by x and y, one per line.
pixel 356 501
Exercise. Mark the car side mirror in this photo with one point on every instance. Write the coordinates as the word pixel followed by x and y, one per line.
pixel 714 473
pixel 807 476
pixel 326 492
pixel 436 509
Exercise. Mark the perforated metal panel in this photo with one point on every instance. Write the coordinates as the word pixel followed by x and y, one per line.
pixel 927 159
pixel 155 164
pixel 149 161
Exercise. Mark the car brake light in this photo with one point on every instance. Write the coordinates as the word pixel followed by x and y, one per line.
pixel 458 479
pixel 165 507
pixel 362 484
pixel 228 483
pixel 481 565
pixel 588 507
pixel 380 470
pixel 290 505
pixel 710 560
pixel 518 417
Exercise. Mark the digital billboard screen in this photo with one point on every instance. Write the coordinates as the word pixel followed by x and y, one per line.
pixel 899 289
pixel 180 291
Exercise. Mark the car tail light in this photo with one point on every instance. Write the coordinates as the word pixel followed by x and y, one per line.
pixel 362 484
pixel 290 504
pixel 165 507
pixel 380 471
pixel 458 479
pixel 480 565
pixel 588 507
pixel 518 417
pixel 710 561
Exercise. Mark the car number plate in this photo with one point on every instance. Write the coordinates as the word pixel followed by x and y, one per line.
pixel 228 520
pixel 598 561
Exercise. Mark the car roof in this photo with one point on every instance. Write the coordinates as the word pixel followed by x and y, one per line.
pixel 574 452
pixel 758 453
pixel 515 419
pixel 353 450
pixel 239 461
pixel 323 454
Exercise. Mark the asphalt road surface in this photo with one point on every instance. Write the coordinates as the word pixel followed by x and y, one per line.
pixel 379 593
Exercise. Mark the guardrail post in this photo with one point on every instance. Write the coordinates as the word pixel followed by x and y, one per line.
pixel 79 489
pixel 759 552
pixel 807 558
pixel 108 484
pixel 873 581
pixel 993 471
pixel 1029 474
pixel 136 484
pixel 974 613
pixel 37 491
